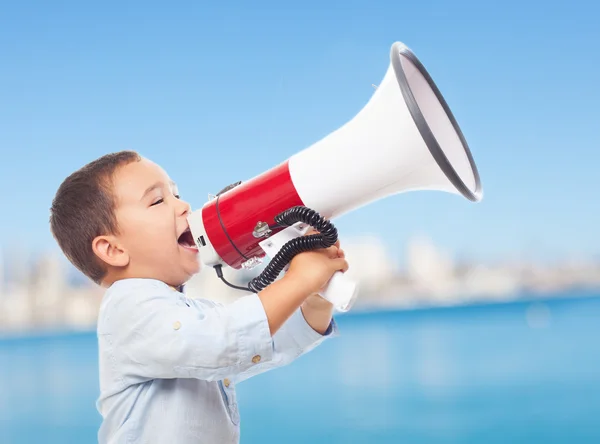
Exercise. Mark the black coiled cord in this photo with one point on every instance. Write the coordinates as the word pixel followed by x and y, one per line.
pixel 326 237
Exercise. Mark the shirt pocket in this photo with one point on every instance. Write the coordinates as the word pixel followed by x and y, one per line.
pixel 229 395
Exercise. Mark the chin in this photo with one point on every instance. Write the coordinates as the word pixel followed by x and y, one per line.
pixel 190 272
pixel 195 269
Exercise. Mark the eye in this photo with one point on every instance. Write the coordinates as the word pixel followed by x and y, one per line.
pixel 157 202
pixel 177 196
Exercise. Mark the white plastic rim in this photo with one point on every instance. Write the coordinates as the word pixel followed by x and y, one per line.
pixel 436 123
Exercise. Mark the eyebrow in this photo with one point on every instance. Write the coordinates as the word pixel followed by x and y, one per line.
pixel 157 185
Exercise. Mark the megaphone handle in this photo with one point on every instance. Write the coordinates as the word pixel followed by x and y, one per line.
pixel 340 291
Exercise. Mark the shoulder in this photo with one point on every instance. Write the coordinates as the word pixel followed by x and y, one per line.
pixel 128 298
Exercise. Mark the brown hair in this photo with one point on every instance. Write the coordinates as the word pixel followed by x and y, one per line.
pixel 83 209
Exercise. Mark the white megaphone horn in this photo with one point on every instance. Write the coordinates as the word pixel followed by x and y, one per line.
pixel 404 139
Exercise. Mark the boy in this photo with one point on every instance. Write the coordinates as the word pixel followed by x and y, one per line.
pixel 169 364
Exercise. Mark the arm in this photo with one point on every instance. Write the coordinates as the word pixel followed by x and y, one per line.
pixel 155 332
pixel 309 270
pixel 161 334
pixel 158 333
pixel 308 326
pixel 282 298
pixel 318 313
pixel 306 329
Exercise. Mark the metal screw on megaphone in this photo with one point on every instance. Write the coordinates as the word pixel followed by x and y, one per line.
pixel 262 229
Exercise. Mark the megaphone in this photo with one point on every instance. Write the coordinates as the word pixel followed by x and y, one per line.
pixel 404 139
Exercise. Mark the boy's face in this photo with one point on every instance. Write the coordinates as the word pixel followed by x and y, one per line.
pixel 152 223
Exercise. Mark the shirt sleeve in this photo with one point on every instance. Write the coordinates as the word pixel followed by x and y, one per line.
pixel 294 339
pixel 160 334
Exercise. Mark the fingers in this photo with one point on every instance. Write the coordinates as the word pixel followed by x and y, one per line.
pixel 332 252
pixel 340 265
pixel 335 251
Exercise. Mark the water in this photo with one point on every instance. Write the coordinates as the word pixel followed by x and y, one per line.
pixel 520 373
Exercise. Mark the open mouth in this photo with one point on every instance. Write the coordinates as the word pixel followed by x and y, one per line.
pixel 186 240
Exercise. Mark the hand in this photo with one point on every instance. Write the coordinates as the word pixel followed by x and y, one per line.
pixel 308 273
pixel 313 269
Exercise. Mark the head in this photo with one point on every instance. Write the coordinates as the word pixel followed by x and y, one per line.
pixel 119 217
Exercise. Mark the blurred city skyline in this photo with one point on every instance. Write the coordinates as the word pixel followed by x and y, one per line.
pixel 45 293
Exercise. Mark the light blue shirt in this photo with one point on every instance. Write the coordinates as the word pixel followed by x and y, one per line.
pixel 169 364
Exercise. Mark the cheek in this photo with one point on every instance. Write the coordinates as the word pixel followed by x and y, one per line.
pixel 150 234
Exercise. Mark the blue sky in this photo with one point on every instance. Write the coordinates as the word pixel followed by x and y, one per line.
pixel 219 92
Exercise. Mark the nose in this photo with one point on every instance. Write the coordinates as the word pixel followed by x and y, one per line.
pixel 184 208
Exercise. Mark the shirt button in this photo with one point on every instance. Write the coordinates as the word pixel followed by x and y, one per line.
pixel 226 382
pixel 176 325
pixel 256 359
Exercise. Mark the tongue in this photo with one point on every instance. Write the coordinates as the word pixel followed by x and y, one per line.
pixel 186 240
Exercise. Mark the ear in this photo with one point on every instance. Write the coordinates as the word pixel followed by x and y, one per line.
pixel 110 251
